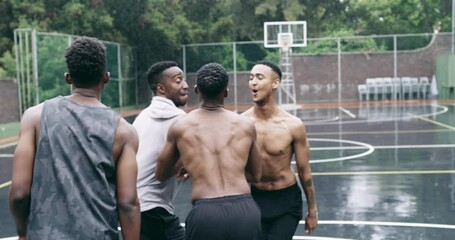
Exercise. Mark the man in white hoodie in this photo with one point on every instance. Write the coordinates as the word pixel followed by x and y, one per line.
pixel 170 89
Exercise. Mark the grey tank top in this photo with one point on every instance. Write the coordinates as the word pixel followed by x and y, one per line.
pixel 73 192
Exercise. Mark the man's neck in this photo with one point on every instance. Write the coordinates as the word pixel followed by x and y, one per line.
pixel 265 111
pixel 86 93
pixel 211 105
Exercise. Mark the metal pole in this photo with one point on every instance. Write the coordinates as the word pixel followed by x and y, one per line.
pixel 453 26
pixel 395 62
pixel 35 65
pixel 21 72
pixel 19 85
pixel 184 62
pixel 234 54
pixel 27 64
pixel 339 69
pixel 133 50
pixel 119 66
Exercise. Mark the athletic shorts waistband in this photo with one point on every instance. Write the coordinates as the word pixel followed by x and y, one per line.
pixel 293 187
pixel 223 199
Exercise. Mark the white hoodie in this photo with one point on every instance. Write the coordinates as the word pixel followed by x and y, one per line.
pixel 152 125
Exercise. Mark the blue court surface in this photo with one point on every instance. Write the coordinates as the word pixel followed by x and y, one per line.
pixel 382 170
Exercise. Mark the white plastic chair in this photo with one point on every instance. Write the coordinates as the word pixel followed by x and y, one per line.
pixel 379 83
pixel 371 87
pixel 363 90
pixel 388 87
pixel 424 86
pixel 406 87
pixel 397 89
pixel 415 87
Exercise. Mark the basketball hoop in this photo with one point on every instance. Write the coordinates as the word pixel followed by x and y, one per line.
pixel 285 40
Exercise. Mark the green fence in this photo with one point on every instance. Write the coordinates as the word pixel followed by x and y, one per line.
pixel 445 73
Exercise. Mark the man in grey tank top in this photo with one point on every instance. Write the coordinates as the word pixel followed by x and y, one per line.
pixel 74 168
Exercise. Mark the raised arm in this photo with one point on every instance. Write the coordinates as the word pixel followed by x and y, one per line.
pixel 169 156
pixel 302 156
pixel 253 169
pixel 128 202
pixel 23 160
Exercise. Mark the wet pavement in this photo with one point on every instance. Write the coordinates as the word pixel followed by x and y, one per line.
pixel 380 172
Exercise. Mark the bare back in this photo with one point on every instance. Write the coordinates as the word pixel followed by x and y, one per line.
pixel 214 148
pixel 277 138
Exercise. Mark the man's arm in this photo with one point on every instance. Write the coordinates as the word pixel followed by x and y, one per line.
pixel 253 169
pixel 23 160
pixel 302 156
pixel 168 158
pixel 128 202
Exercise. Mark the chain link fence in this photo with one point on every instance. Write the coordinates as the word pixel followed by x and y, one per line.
pixel 327 69
pixel 40 65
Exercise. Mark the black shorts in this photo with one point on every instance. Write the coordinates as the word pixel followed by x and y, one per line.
pixel 232 217
pixel 281 211
pixel 158 224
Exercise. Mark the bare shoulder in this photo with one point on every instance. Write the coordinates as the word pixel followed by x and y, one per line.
pixel 126 131
pixel 183 121
pixel 32 115
pixel 293 122
pixel 248 112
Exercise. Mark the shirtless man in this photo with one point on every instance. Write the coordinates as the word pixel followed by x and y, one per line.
pixel 74 168
pixel 217 148
pixel 280 136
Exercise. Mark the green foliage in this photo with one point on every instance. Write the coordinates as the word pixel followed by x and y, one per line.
pixel 51 67
pixel 8 63
pixel 157 29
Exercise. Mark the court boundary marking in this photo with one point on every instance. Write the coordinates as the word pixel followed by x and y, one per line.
pixel 380 223
pixel 366 145
pixel 432 121
pixel 347 112
pixel 444 110
pixel 355 223
pixel 404 172
pixel 378 132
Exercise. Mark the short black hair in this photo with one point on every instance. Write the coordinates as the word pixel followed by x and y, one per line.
pixel 154 73
pixel 211 79
pixel 273 66
pixel 86 61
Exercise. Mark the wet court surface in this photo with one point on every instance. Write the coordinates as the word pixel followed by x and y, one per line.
pixel 380 172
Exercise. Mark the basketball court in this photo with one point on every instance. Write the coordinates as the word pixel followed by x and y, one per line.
pixel 382 170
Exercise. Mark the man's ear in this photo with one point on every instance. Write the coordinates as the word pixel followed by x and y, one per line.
pixel 106 77
pixel 276 83
pixel 226 92
pixel 68 78
pixel 196 90
pixel 160 89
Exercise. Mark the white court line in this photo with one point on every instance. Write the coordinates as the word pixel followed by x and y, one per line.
pixel 383 147
pixel 419 172
pixel 444 109
pixel 322 120
pixel 432 121
pixel 388 224
pixel 347 112
pixel 315 237
pixel 5 184
pixel 8 145
pixel 6 155
pixel 365 146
